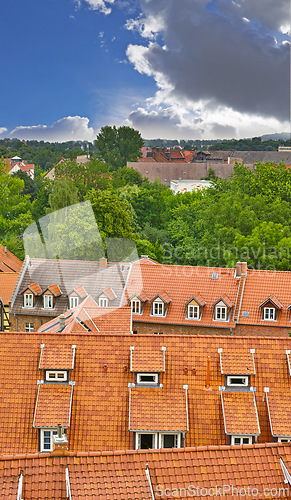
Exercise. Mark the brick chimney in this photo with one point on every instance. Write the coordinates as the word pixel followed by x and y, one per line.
pixel 238 269
pixel 244 267
pixel 102 263
pixel 62 322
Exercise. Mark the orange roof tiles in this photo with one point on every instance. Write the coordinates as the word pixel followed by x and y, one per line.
pixel 240 413
pixel 121 475
pixel 100 405
pixel 60 357
pixel 224 299
pixel 164 296
pixel 200 301
pixel 273 301
pixel 110 293
pixel 7 283
pixel 240 363
pixel 8 261
pixel 158 409
pixel 279 408
pixel 34 288
pixel 55 290
pixel 53 405
pixel 147 359
pixel 80 290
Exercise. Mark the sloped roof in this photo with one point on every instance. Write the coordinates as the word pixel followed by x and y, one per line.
pixel 225 299
pixel 180 283
pixel 54 357
pixel 240 363
pixel 109 292
pixel 79 291
pixel 147 359
pixel 8 261
pixel 100 405
pixel 240 413
pixel 200 301
pixel 158 409
pixel 273 301
pixel 121 475
pixel 54 289
pixel 34 288
pixel 279 408
pixel 7 283
pixel 162 295
pixel 53 405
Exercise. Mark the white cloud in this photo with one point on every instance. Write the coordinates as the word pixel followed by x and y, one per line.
pixel 3 130
pixel 101 5
pixel 69 128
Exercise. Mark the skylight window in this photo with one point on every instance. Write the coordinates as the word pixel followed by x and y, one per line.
pixel 147 378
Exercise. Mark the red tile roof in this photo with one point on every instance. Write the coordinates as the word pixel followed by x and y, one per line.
pixel 53 405
pixel 34 288
pixel 158 409
pixel 241 363
pixel 54 289
pixel 7 283
pixel 273 300
pixel 54 357
pixel 240 413
pixel 122 476
pixel 147 359
pixel 279 407
pixel 110 293
pixel 8 261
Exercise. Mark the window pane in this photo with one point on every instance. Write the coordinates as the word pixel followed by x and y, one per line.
pixel 246 440
pixel 147 378
pixel 170 441
pixel 236 440
pixel 146 441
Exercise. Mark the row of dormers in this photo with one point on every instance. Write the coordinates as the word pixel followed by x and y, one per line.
pixel 194 306
pixel 52 292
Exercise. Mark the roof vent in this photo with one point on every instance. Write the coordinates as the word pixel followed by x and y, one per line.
pixel 245 314
pixel 214 276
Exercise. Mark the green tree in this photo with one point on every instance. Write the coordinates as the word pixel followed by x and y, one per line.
pixel 117 146
pixel 29 184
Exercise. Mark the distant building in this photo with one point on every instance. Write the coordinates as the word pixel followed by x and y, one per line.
pixel 16 163
pixel 188 185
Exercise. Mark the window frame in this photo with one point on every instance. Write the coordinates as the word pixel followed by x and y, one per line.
pixel 158 304
pixel 72 299
pixel 218 309
pixel 56 378
pixel 158 439
pixel 48 301
pixel 146 383
pixel 134 302
pixel 103 299
pixel 241 437
pixel 138 439
pixel 177 439
pixel 268 309
pixel 284 439
pixel 29 327
pixel 25 299
pixel 193 308
pixel 246 377
pixel 42 437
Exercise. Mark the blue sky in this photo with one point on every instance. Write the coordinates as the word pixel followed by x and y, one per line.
pixel 170 68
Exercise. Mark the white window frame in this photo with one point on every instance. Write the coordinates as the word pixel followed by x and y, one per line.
pixel 237 377
pixel 219 312
pixel 140 382
pixel 267 312
pixel 241 437
pixel 28 300
pixel 135 306
pixel 48 301
pixel 103 302
pixel 51 430
pixel 158 308
pixel 73 302
pixel 193 312
pixel 29 327
pixel 138 440
pixel 177 439
pixel 284 439
pixel 57 376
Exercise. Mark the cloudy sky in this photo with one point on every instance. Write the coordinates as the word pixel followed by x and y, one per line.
pixel 193 69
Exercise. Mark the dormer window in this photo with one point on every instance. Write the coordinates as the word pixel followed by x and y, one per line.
pixel 28 300
pixel 135 306
pixel 103 302
pixel 193 312
pixel 269 314
pixel 56 376
pixel 73 302
pixel 220 313
pixel 46 439
pixel 239 440
pixel 237 381
pixel 158 308
pixel 48 301
pixel 147 379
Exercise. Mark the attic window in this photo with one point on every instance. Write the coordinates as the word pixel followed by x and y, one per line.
pixel 28 300
pixel 239 440
pixel 56 375
pixel 150 440
pixel 193 312
pixel 103 302
pixel 214 276
pixel 220 313
pixel 284 440
pixel 147 378
pixel 73 302
pixel 135 306
pixel 237 381
pixel 158 308
pixel 48 301
pixel 46 439
pixel 269 314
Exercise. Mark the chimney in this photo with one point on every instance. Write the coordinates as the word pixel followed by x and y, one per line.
pixel 244 267
pixel 238 269
pixel 102 263
pixel 60 442
pixel 5 250
pixel 62 322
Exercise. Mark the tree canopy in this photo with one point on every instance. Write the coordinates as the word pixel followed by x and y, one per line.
pixel 116 146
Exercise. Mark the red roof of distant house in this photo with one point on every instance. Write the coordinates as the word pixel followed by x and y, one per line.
pixel 8 261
